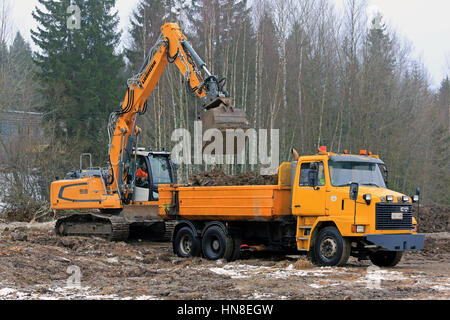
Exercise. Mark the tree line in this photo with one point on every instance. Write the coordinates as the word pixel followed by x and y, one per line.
pixel 320 74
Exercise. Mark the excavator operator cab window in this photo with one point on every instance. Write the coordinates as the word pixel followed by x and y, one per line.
pixel 160 172
pixel 142 173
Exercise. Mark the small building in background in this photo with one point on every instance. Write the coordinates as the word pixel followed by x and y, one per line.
pixel 16 128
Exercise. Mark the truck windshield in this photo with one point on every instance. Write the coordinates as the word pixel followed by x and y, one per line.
pixel 343 173
pixel 160 170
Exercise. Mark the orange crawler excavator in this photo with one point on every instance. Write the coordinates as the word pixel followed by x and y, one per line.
pixel 126 192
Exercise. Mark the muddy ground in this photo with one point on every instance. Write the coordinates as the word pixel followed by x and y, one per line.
pixel 36 264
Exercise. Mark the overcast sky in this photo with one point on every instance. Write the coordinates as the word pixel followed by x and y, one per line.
pixel 424 23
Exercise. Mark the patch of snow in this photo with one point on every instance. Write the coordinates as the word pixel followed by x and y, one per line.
pixel 113 260
pixel 6 292
pixel 257 295
pixel 240 271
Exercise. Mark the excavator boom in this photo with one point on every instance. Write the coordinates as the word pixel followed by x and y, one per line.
pixel 171 47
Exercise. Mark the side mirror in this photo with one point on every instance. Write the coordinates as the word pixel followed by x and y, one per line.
pixel 418 191
pixel 354 188
pixel 385 174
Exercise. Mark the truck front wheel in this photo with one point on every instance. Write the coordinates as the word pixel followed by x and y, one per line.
pixel 216 244
pixel 330 248
pixel 186 244
pixel 386 258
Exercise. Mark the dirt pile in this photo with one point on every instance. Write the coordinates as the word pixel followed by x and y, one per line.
pixel 432 218
pixel 436 244
pixel 217 177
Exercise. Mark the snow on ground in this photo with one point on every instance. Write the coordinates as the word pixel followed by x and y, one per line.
pixel 323 277
pixel 239 271
pixel 64 293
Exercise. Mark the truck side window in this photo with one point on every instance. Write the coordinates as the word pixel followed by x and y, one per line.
pixel 308 168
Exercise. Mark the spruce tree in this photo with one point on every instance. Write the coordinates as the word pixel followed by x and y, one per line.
pixel 79 69
pixel 20 74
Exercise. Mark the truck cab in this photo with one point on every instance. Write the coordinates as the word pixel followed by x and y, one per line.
pixel 344 208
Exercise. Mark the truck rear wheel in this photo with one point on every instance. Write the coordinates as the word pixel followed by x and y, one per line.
pixel 216 244
pixel 186 244
pixel 386 258
pixel 330 248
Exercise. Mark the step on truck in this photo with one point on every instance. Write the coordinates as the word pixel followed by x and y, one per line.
pixel 328 206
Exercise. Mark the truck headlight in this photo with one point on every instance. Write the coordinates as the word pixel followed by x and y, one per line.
pixel 389 198
pixel 405 198
pixel 368 198
pixel 358 228
pixel 415 198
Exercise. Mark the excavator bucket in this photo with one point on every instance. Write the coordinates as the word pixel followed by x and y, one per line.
pixel 221 115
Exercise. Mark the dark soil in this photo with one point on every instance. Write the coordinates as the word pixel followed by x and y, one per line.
pixel 217 177
pixel 432 218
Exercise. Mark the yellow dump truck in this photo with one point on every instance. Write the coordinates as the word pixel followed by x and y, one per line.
pixel 329 206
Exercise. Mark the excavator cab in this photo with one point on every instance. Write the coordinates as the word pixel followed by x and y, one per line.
pixel 147 170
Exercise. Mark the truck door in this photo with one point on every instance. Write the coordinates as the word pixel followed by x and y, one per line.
pixel 309 192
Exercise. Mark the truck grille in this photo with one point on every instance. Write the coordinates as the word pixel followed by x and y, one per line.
pixel 384 219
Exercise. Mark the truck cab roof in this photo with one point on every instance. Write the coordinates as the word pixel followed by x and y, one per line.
pixel 342 158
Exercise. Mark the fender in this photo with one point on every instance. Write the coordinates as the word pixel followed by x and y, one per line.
pixel 218 224
pixel 184 223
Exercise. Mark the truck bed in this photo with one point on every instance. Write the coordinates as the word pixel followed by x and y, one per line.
pixel 227 203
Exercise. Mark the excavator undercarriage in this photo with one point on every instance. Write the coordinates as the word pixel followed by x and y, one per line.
pixel 113 227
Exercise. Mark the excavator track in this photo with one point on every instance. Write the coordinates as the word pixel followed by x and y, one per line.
pixel 109 227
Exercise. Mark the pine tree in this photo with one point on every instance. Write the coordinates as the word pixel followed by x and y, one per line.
pixel 380 56
pixel 79 69
pixel 20 54
pixel 24 86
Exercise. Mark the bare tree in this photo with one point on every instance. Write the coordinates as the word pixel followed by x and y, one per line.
pixel 6 26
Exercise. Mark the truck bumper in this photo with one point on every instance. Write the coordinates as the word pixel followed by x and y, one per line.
pixel 397 242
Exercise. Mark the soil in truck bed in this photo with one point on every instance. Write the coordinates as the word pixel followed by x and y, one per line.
pixel 216 177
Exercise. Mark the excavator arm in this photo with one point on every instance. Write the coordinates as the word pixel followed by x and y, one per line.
pixel 171 47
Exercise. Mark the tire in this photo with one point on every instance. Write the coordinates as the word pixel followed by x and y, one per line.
pixel 216 244
pixel 330 248
pixel 186 244
pixel 386 258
